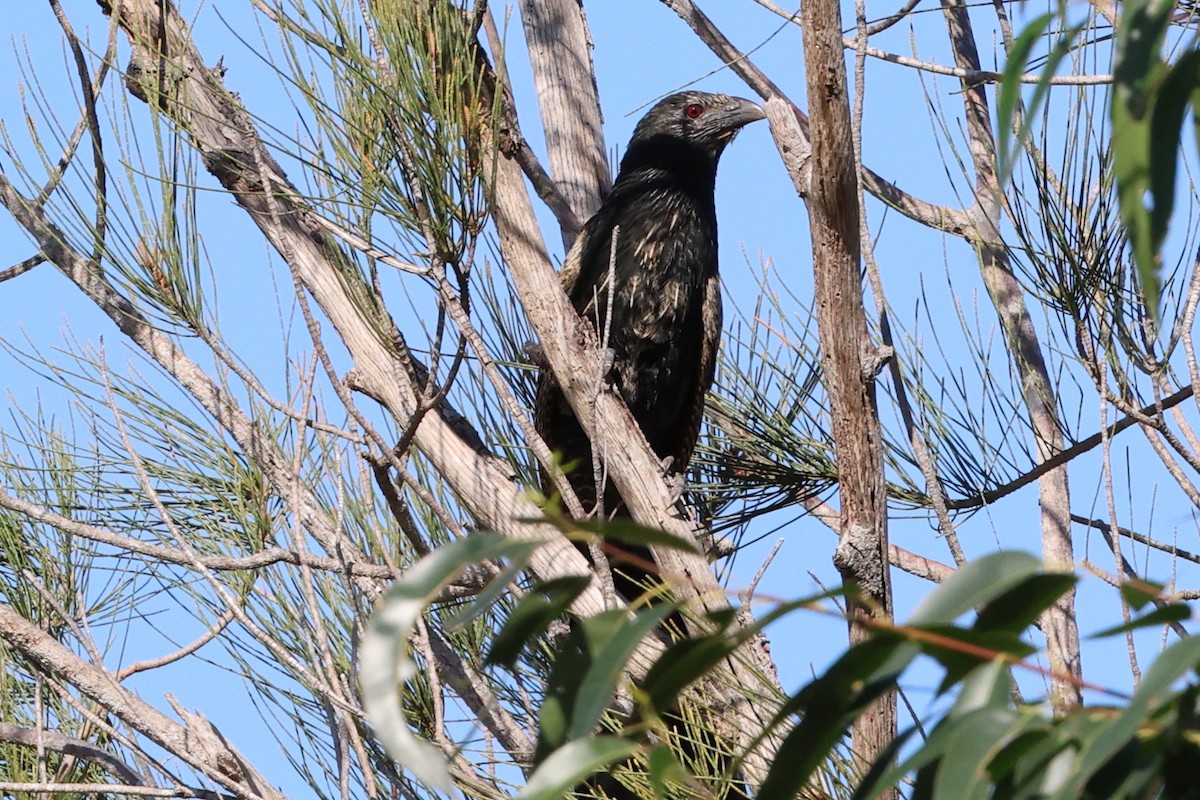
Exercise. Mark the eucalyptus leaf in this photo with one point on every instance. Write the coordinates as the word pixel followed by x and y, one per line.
pixel 572 763
pixel 1159 616
pixel 384 662
pixel 973 585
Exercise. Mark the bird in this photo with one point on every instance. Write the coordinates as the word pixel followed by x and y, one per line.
pixel 643 271
pixel 655 238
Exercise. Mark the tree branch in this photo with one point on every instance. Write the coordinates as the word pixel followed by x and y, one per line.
pixel 200 748
pixel 70 746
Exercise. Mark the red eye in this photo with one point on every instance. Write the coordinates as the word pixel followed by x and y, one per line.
pixel 694 111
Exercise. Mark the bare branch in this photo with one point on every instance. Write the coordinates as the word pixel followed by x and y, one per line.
pixel 560 54
pixel 108 789
pixel 862 552
pixel 70 746
pixel 21 268
pixel 1058 623
pixel 201 749
pixel 170 555
pixel 1146 415
pixel 214 630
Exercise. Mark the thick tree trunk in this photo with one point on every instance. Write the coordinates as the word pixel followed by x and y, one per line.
pixel 848 358
pixel 561 57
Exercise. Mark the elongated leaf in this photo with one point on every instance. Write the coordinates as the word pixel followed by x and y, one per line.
pixel 574 658
pixel 572 763
pixel 1010 86
pixel 1159 616
pixel 535 611
pixel 974 584
pixel 485 601
pixel 1170 102
pixel 1155 690
pixel 974 649
pixel 829 704
pixel 1010 92
pixel 1131 168
pixel 1140 184
pixel 963 771
pixel 1015 609
pixel 1140 36
pixel 1138 593
pixel 665 768
pixel 629 532
pixel 987 687
pixel 686 660
pixel 384 663
pixel 599 683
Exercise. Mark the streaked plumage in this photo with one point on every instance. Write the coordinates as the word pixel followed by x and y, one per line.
pixel 666 312
pixel 656 235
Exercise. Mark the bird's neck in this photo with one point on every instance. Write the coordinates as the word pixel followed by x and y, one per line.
pixel 668 161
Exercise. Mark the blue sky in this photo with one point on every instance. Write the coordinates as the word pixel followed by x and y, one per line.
pixel 643 51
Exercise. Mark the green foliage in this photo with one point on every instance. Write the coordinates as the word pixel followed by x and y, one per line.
pixel 1148 103
pixel 973 627
pixel 1007 101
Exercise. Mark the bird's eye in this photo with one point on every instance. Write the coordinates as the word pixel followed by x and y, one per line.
pixel 694 111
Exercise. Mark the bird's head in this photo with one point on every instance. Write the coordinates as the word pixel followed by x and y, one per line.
pixel 706 121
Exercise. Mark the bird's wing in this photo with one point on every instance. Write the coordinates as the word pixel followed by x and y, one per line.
pixel 568 276
pixel 584 272
pixel 709 345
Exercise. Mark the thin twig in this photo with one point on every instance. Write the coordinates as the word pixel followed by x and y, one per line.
pixel 214 630
pixel 109 790
pixel 22 267
pixel 70 746
pixel 264 558
pixel 1145 416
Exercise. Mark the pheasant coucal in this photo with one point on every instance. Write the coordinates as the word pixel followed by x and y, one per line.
pixel 656 235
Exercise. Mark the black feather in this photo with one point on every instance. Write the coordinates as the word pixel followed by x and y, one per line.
pixel 655 241
pixel 656 234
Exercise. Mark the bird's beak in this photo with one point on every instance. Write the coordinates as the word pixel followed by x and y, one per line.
pixel 735 114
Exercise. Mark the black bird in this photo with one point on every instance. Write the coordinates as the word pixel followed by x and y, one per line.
pixel 656 234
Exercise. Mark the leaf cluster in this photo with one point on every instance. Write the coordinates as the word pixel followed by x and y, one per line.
pixel 592 721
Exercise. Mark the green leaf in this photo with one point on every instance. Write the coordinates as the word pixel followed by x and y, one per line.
pixel 1140 35
pixel 882 775
pixel 960 661
pixel 1138 593
pixel 664 769
pixel 599 683
pixel 384 663
pixel 1010 86
pixel 1143 178
pixel 1016 609
pixel 532 615
pixel 1159 616
pixel 629 532
pixel 974 584
pixel 989 686
pixel 688 659
pixel 928 753
pixel 572 763
pixel 1131 168
pixel 1010 767
pixel 1154 691
pixel 962 773
pixel 829 704
pixel 1010 92
pixel 484 601
pixel 573 659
